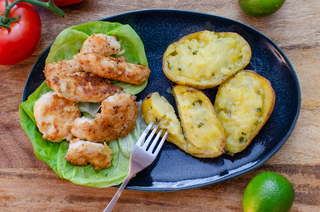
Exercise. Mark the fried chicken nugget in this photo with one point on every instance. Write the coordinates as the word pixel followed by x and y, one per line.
pixel 54 116
pixel 60 67
pixel 117 118
pixel 80 153
pixel 113 68
pixel 67 80
pixel 101 44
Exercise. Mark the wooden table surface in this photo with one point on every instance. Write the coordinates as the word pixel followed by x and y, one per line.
pixel 28 184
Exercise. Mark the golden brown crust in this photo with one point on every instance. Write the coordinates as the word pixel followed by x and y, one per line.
pixel 113 68
pixel 63 66
pixel 117 118
pixel 102 44
pixel 54 116
pixel 78 86
pixel 80 153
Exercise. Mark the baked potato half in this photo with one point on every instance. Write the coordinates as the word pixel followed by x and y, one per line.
pixel 156 108
pixel 202 128
pixel 205 59
pixel 243 104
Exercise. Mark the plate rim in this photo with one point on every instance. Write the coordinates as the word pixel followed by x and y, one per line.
pixel 268 156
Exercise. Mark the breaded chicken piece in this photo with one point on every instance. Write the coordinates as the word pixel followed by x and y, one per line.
pixel 117 118
pixel 63 66
pixel 101 44
pixel 66 79
pixel 54 116
pixel 80 153
pixel 113 68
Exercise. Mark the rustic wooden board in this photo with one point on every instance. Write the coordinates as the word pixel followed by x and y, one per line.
pixel 27 184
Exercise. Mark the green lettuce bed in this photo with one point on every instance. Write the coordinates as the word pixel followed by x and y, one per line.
pixel 67 44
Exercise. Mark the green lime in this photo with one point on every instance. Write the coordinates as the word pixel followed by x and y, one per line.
pixel 260 8
pixel 268 192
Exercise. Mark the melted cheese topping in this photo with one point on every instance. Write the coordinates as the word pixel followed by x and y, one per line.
pixel 199 121
pixel 207 57
pixel 160 111
pixel 240 108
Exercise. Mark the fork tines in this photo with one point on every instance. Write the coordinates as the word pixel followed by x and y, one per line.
pixel 150 144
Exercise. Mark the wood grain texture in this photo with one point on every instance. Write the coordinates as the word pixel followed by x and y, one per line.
pixel 27 184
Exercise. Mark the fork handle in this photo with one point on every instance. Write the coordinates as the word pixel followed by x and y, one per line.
pixel 117 195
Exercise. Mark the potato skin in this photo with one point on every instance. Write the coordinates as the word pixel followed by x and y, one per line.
pixel 243 104
pixel 205 59
pixel 158 109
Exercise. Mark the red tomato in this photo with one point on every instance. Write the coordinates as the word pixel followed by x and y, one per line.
pixel 65 2
pixel 21 40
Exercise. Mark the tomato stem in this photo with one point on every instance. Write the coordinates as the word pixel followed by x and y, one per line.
pixel 5 20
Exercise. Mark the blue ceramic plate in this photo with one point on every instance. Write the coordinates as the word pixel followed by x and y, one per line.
pixel 174 169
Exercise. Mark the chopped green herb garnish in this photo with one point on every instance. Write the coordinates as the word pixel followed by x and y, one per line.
pixel 179 69
pixel 168 64
pixel 243 133
pixel 241 139
pixel 198 101
pixel 259 110
pixel 195 52
pixel 189 47
pixel 200 124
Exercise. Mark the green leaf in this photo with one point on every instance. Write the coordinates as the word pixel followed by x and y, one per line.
pixel 89 109
pixel 133 89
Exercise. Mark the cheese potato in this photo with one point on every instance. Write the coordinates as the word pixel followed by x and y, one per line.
pixel 243 104
pixel 199 121
pixel 205 137
pixel 205 59
pixel 157 109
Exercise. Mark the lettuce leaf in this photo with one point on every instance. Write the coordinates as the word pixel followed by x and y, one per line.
pixel 65 46
pixel 89 109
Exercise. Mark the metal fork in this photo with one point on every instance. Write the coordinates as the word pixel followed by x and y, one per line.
pixel 143 154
